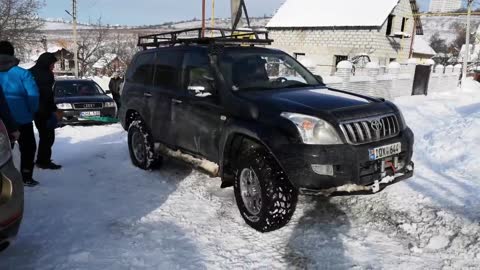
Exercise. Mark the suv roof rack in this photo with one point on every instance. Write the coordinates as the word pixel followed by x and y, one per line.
pixel 220 36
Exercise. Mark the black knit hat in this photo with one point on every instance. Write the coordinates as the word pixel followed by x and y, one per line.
pixel 6 48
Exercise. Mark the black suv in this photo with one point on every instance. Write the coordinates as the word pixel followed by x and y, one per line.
pixel 274 129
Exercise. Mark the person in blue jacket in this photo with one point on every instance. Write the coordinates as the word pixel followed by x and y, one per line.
pixel 22 95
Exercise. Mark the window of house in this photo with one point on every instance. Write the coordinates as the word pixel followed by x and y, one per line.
pixel 404 23
pixel 298 56
pixel 340 58
pixel 390 24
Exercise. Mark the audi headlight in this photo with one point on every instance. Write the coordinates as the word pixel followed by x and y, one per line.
pixel 64 106
pixel 109 104
pixel 5 147
pixel 313 130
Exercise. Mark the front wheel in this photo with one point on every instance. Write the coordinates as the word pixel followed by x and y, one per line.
pixel 141 147
pixel 265 197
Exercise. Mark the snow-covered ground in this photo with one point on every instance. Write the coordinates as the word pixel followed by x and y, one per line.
pixel 100 212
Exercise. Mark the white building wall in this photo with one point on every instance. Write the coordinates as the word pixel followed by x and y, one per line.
pixel 323 44
pixel 445 5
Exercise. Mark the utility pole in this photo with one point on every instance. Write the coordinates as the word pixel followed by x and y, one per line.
pixel 466 57
pixel 75 44
pixel 203 17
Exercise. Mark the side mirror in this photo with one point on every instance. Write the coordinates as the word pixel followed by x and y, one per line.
pixel 108 92
pixel 319 79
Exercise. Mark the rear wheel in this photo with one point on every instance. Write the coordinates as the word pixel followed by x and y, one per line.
pixel 265 197
pixel 141 146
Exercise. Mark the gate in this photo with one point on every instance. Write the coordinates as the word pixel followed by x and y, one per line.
pixel 421 80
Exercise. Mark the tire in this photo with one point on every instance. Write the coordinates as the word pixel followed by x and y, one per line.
pixel 278 196
pixel 141 147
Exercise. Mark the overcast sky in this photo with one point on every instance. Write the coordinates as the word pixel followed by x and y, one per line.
pixel 139 12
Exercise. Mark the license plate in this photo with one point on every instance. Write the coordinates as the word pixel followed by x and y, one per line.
pixel 385 151
pixel 91 113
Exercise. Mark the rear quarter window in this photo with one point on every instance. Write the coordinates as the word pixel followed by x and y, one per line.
pixel 143 68
pixel 167 70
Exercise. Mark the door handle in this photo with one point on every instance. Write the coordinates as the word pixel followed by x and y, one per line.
pixel 176 101
pixel 146 94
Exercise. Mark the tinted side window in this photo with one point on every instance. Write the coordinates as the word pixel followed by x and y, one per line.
pixel 198 78
pixel 143 70
pixel 167 70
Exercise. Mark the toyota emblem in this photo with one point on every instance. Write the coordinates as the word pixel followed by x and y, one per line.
pixel 376 125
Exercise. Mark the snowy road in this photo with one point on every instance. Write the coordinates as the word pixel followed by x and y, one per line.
pixel 100 212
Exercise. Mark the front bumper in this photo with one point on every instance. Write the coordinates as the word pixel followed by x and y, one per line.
pixel 72 117
pixel 351 165
pixel 11 203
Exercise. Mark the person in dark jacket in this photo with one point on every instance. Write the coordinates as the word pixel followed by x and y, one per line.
pixel 114 86
pixel 21 94
pixel 46 117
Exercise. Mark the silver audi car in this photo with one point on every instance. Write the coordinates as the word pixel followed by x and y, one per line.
pixel 11 192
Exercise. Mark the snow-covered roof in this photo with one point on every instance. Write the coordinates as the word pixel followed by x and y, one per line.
pixel 421 46
pixel 105 60
pixel 323 13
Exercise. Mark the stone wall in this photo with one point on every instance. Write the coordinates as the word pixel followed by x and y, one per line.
pixel 322 44
pixel 396 82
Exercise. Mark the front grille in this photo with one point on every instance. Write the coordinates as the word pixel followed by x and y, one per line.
pixel 371 129
pixel 87 106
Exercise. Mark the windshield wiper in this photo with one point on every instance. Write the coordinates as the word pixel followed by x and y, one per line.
pixel 296 85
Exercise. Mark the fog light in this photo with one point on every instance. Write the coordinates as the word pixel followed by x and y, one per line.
pixel 323 169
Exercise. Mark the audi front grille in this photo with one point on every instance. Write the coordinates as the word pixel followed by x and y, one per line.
pixel 88 106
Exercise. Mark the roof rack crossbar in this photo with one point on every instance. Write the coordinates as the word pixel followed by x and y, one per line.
pixel 194 36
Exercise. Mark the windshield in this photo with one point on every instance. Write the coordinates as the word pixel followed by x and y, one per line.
pixel 77 88
pixel 263 70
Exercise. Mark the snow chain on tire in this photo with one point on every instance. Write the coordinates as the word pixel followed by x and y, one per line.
pixel 279 196
pixel 152 160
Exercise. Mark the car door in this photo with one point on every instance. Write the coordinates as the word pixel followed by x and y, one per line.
pixel 197 119
pixel 165 91
pixel 139 81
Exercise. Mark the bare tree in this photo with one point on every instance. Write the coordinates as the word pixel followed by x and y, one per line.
pixel 460 40
pixel 19 22
pixel 124 46
pixel 438 44
pixel 92 45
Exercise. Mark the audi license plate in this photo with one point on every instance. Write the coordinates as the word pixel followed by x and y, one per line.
pixel 91 113
pixel 385 151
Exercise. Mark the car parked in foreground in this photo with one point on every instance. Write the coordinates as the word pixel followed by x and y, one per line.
pixel 82 101
pixel 11 192
pixel 274 129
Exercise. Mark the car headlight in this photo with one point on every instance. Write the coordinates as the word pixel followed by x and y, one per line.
pixel 314 130
pixel 5 147
pixel 109 104
pixel 65 106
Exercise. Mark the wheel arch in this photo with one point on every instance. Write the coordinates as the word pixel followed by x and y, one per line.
pixel 234 139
